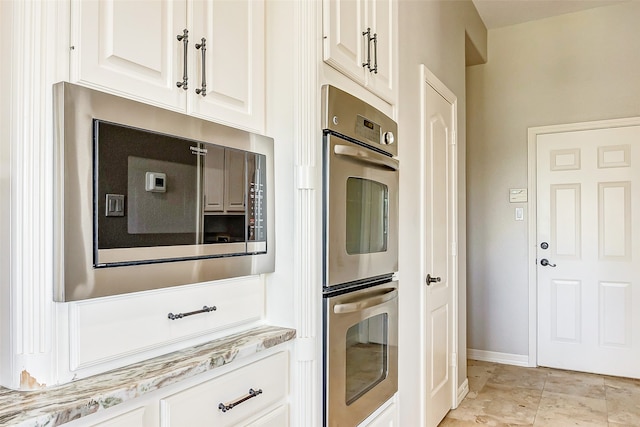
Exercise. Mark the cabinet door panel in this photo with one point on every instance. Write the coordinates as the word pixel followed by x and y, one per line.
pixel 382 21
pixel 131 48
pixel 234 62
pixel 345 47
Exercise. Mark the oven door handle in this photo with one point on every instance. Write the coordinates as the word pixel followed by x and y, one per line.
pixel 371 301
pixel 367 156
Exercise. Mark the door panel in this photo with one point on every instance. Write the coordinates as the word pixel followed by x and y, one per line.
pixel 586 211
pixel 132 47
pixel 439 240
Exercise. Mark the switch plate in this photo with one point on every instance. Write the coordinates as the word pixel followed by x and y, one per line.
pixel 519 214
pixel 115 205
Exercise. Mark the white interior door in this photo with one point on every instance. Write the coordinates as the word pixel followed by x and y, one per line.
pixel 588 215
pixel 439 238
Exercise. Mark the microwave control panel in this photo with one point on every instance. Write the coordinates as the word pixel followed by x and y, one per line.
pixel 257 199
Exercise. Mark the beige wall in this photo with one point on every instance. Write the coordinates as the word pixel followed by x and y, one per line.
pixel 572 68
pixel 430 33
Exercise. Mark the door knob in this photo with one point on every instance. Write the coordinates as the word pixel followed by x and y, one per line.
pixel 431 280
pixel 545 262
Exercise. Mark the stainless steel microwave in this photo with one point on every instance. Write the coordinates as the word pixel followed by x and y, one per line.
pixel 148 198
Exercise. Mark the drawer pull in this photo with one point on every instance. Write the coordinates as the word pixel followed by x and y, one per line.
pixel 205 309
pixel 230 406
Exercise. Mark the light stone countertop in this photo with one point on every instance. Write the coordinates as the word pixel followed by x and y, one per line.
pixel 60 404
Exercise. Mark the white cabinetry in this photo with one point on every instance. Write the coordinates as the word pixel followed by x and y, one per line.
pixel 232 399
pixel 142 323
pixel 359 41
pixel 138 49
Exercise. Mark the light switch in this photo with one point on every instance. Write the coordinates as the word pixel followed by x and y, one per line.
pixel 519 214
pixel 115 205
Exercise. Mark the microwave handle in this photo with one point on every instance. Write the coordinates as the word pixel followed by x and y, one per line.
pixel 369 302
pixel 367 156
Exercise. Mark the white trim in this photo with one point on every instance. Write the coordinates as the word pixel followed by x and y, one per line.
pixel 532 135
pixel 463 390
pixel 427 77
pixel 497 357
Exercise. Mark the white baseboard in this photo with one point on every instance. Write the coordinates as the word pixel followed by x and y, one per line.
pixel 462 392
pixel 494 356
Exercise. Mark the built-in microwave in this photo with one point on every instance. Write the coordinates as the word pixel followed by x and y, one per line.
pixel 150 198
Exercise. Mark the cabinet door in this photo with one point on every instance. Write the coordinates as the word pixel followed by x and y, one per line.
pixel 345 47
pixel 234 173
pixel 214 179
pixel 381 18
pixel 130 47
pixel 234 64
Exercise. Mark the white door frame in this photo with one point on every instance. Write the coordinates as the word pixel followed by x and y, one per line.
pixel 427 77
pixel 533 133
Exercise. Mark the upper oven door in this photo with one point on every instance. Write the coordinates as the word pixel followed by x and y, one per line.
pixel 361 215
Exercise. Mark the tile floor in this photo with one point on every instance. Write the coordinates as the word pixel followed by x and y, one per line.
pixel 505 395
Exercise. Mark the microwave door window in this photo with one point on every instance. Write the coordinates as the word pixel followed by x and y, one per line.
pixel 366 216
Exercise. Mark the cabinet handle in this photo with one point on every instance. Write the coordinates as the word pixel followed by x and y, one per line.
pixel 368 34
pixel 184 38
pixel 229 406
pixel 375 54
pixel 205 309
pixel 203 48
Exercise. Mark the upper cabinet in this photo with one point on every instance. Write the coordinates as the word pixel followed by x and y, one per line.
pixel 359 39
pixel 205 57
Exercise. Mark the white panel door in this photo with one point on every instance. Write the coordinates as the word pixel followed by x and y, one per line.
pixel 588 218
pixel 131 47
pixel 232 34
pixel 439 265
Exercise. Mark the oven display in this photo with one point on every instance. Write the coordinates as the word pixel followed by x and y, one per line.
pixel 368 129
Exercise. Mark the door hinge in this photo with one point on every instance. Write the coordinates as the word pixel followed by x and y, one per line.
pixel 454 248
pixel 454 137
pixel 454 359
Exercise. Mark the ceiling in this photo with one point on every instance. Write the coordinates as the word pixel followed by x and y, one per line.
pixel 501 13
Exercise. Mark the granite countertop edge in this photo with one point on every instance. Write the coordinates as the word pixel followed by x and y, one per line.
pixel 60 404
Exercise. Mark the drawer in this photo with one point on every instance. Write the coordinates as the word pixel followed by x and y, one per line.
pixel 276 418
pixel 107 329
pixel 199 405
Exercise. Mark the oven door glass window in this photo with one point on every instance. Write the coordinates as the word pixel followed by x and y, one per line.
pixel 367 216
pixel 367 356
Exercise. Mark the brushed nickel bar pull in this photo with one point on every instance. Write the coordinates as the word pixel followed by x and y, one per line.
pixel 203 48
pixel 184 38
pixel 368 34
pixel 205 309
pixel 229 406
pixel 375 54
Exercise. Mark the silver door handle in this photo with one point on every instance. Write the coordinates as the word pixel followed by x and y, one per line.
pixel 375 54
pixel 366 156
pixel 184 38
pixel 203 47
pixel 431 279
pixel 378 297
pixel 368 34
pixel 545 262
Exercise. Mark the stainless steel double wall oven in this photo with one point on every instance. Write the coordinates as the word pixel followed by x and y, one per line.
pixel 360 257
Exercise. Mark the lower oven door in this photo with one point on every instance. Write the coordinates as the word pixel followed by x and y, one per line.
pixel 361 353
